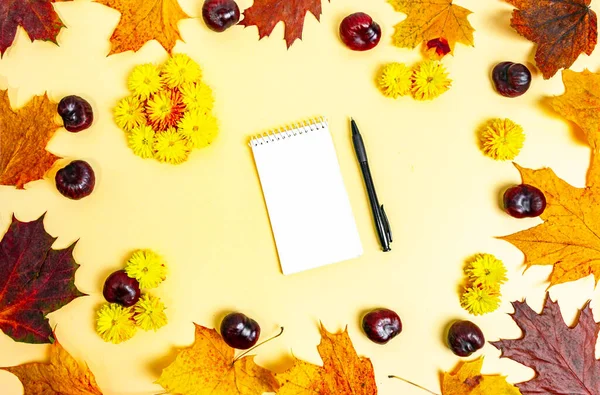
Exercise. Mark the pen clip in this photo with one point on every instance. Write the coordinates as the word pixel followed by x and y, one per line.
pixel 386 223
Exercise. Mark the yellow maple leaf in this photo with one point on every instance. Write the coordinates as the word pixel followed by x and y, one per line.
pixel 468 380
pixel 24 134
pixel 61 376
pixel 431 19
pixel 569 238
pixel 343 371
pixel 208 367
pixel 145 20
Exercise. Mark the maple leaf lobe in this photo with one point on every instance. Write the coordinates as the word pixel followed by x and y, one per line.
pixel 145 20
pixel 38 280
pixel 24 135
pixel 37 17
pixel 563 358
pixel 562 29
pixel 266 14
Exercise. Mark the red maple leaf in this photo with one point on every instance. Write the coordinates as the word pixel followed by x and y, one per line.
pixel 266 14
pixel 562 357
pixel 37 17
pixel 35 280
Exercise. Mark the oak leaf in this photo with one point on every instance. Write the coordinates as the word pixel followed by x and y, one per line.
pixel 266 14
pixel 61 376
pixel 468 380
pixel 429 20
pixel 562 357
pixel 24 134
pixel 343 371
pixel 145 20
pixel 208 366
pixel 36 280
pixel 569 238
pixel 37 17
pixel 562 29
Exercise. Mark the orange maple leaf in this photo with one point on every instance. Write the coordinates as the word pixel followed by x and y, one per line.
pixel 432 20
pixel 145 20
pixel 24 134
pixel 343 371
pixel 208 366
pixel 569 238
pixel 562 29
pixel 468 380
pixel 61 376
pixel 266 14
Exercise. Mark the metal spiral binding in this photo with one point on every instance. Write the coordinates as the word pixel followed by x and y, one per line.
pixel 288 131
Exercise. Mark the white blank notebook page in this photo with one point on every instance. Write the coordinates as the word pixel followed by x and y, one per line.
pixel 308 205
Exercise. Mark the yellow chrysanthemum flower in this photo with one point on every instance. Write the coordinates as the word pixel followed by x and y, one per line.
pixel 199 128
pixel 180 69
pixel 115 323
pixel 395 80
pixel 147 267
pixel 429 80
pixel 479 300
pixel 129 113
pixel 171 147
pixel 150 313
pixel 164 110
pixel 502 139
pixel 144 80
pixel 197 96
pixel 141 141
pixel 486 270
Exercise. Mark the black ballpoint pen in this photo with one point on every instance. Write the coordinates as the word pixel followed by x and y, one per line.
pixel 381 221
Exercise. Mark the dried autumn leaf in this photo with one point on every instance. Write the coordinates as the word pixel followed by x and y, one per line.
pixel 145 20
pixel 563 358
pixel 562 29
pixel 61 376
pixel 207 366
pixel 569 238
pixel 468 380
pixel 24 135
pixel 37 17
pixel 343 371
pixel 36 280
pixel 266 14
pixel 432 19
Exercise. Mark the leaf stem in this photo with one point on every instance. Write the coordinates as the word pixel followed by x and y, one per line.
pixel 411 383
pixel 258 345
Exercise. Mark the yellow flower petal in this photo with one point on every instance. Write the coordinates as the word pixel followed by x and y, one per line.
pixel 502 139
pixel 129 113
pixel 180 69
pixel 479 300
pixel 144 81
pixel 197 96
pixel 171 147
pixel 115 323
pixel 150 313
pixel 395 80
pixel 430 80
pixel 486 270
pixel 147 267
pixel 199 128
pixel 141 141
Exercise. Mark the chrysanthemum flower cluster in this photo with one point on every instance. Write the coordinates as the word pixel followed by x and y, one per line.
pixel 425 81
pixel 169 111
pixel 501 139
pixel 116 323
pixel 485 274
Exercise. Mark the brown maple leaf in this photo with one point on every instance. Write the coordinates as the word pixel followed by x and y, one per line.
pixel 61 376
pixel 266 14
pixel 24 134
pixel 145 20
pixel 208 366
pixel 37 17
pixel 563 358
pixel 429 20
pixel 36 280
pixel 569 238
pixel 562 29
pixel 343 371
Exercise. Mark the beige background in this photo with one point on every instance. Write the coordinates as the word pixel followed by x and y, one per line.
pixel 208 219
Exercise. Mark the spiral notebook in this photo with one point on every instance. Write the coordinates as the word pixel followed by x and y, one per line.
pixel 306 199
